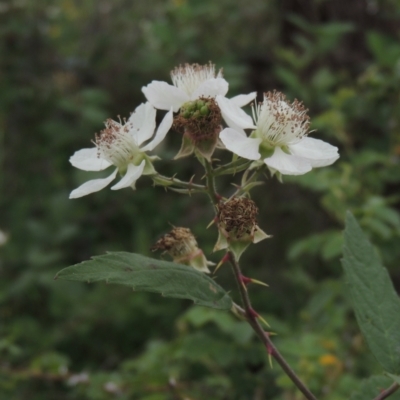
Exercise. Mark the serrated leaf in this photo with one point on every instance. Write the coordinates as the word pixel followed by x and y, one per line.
pixel 372 387
pixel 376 304
pixel 150 275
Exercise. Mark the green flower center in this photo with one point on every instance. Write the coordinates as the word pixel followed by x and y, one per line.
pixel 195 109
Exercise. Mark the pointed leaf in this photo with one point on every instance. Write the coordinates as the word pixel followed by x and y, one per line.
pixel 376 304
pixel 150 275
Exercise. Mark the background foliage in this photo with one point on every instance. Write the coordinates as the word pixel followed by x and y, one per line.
pixel 68 65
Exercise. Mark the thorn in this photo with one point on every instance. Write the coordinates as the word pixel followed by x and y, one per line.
pixel 270 350
pixel 258 282
pixel 253 314
pixel 270 360
pixel 264 321
pixel 213 221
pixel 224 259
pixel 245 280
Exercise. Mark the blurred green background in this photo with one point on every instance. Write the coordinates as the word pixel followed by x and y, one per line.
pixel 66 66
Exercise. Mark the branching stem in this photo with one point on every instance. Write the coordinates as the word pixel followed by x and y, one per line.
pixel 167 181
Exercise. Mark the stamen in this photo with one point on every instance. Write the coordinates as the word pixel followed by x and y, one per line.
pixel 188 77
pixel 116 144
pixel 279 121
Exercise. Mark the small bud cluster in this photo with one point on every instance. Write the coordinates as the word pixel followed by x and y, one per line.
pixel 200 119
pixel 196 109
pixel 238 217
pixel 182 246
pixel 237 225
pixel 177 243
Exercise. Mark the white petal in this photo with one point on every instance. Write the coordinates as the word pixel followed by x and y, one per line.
pixel 162 130
pixel 233 115
pixel 241 145
pixel 287 164
pixel 142 123
pixel 211 88
pixel 317 152
pixel 133 173
pixel 243 99
pixel 164 96
pixel 92 186
pixel 87 160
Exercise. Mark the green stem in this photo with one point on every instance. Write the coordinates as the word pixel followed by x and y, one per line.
pixel 232 167
pixel 386 393
pixel 246 181
pixel 167 181
pixel 211 183
pixel 251 317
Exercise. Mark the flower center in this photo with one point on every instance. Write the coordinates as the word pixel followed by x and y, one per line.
pixel 189 77
pixel 280 122
pixel 201 119
pixel 116 145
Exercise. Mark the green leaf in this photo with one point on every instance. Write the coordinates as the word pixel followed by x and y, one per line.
pixel 372 387
pixel 396 378
pixel 376 304
pixel 150 275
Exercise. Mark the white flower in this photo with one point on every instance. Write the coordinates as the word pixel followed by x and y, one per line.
pixel 190 82
pixel 280 138
pixel 121 145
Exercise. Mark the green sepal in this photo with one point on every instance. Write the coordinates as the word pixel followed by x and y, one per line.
pixel 206 147
pixel 238 247
pixel 187 147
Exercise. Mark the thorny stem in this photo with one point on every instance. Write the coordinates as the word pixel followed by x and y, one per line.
pixel 251 317
pixel 386 393
pixel 249 313
pixel 177 182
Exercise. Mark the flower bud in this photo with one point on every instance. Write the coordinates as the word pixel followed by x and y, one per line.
pixel 182 246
